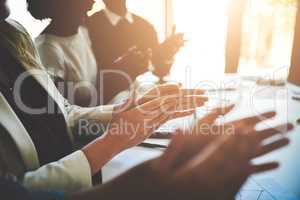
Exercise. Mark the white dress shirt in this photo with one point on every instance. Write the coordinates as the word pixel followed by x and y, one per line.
pixel 115 18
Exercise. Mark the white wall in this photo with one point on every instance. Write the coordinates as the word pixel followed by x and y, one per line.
pixel 19 12
pixel 152 10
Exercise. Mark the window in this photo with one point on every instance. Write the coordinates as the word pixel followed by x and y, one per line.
pixel 153 11
pixel 205 26
pixel 267 36
pixel 268 28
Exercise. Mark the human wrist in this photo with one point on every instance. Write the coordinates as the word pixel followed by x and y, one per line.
pixel 101 151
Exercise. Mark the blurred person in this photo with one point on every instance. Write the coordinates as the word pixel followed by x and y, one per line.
pixel 121 42
pixel 195 165
pixel 65 47
pixel 54 124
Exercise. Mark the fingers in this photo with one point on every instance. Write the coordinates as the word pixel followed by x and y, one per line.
pixel 256 119
pixel 191 102
pixel 158 104
pixel 262 135
pixel 174 30
pixel 179 103
pixel 272 147
pixel 180 114
pixel 186 92
pixel 212 116
pixel 159 91
pixel 167 90
pixel 255 169
pixel 170 113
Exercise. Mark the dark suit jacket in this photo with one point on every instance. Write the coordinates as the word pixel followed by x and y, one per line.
pixel 10 190
pixel 48 130
pixel 110 42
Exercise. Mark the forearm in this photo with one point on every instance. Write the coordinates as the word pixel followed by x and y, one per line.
pixel 162 65
pixel 83 121
pixel 101 151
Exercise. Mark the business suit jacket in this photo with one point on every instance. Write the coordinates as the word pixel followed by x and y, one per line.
pixel 109 42
pixel 54 130
pixel 19 160
pixel 48 130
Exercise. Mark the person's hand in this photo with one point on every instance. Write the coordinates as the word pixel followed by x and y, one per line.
pixel 138 118
pixel 172 45
pixel 199 164
pixel 213 163
pixel 136 59
pixel 134 125
pixel 138 97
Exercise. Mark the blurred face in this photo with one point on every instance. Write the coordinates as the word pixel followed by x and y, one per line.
pixel 71 10
pixel 4 11
pixel 79 8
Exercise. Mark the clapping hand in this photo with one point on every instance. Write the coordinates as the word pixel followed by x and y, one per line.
pixel 214 165
pixel 172 45
pixel 199 164
pixel 135 121
pixel 136 59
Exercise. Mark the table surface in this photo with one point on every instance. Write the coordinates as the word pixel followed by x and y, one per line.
pixel 249 100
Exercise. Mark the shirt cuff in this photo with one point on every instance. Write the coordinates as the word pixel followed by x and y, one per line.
pixel 107 112
pixel 69 174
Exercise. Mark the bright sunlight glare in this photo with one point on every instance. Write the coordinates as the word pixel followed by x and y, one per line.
pixel 205 25
pixel 268 30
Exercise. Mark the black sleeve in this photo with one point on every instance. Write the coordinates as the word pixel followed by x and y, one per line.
pixel 13 191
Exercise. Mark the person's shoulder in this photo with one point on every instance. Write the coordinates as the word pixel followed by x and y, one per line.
pixel 45 42
pixel 140 21
pixel 48 47
pixel 16 25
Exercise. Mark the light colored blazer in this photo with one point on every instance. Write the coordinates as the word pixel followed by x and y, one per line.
pixel 69 174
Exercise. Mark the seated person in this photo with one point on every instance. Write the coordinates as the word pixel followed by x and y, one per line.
pixel 117 33
pixel 65 48
pixel 171 170
pixel 54 124
pixel 190 166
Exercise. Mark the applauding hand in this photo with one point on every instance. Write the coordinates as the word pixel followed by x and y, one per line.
pixel 201 164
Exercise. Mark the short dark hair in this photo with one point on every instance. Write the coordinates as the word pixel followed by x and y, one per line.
pixel 40 9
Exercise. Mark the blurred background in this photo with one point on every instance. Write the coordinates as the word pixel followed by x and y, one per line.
pixel 268 28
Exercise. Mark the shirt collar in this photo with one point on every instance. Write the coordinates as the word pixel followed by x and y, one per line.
pixel 115 19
